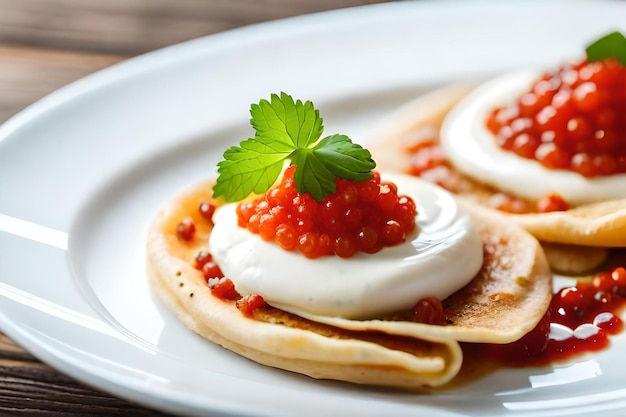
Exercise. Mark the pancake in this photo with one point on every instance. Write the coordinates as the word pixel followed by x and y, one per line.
pixel 503 302
pixel 587 229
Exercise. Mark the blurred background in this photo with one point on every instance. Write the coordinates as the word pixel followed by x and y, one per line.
pixel 45 44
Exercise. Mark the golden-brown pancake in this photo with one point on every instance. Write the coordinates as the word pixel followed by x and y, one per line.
pixel 589 228
pixel 504 301
pixel 572 259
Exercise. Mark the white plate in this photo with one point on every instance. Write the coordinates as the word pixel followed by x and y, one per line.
pixel 83 171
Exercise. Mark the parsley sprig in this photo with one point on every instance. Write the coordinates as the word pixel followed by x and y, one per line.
pixel 612 45
pixel 288 130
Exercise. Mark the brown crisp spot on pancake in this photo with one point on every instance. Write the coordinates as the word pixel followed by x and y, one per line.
pixel 501 296
pixel 522 281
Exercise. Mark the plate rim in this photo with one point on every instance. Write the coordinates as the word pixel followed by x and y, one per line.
pixel 123 71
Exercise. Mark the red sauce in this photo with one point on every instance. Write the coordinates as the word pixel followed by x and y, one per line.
pixel 360 216
pixel 570 119
pixel 580 319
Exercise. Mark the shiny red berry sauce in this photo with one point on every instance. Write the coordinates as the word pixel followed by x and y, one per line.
pixel 360 216
pixel 570 119
pixel 580 319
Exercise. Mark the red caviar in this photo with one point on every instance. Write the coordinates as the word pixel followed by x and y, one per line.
pixel 186 229
pixel 429 163
pixel 211 270
pixel 429 310
pixel 202 258
pixel 249 303
pixel 569 119
pixel 552 202
pixel 207 210
pixel 360 216
pixel 224 289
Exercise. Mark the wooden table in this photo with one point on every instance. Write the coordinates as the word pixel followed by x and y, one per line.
pixel 45 44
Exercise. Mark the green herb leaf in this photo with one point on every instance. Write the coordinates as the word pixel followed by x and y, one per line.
pixel 293 123
pixel 612 45
pixel 332 157
pixel 344 158
pixel 288 130
pixel 251 167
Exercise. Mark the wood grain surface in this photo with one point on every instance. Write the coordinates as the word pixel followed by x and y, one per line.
pixel 45 44
pixel 29 73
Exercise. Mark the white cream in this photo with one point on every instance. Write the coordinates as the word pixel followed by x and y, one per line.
pixel 441 258
pixel 472 149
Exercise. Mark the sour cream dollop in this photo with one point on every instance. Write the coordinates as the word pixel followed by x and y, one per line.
pixel 472 149
pixel 443 256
